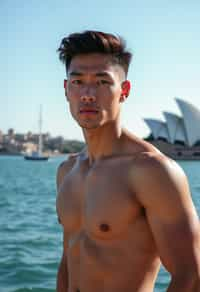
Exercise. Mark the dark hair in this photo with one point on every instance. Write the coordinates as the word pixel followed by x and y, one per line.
pixel 94 42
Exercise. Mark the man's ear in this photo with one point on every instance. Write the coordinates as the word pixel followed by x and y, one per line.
pixel 65 87
pixel 126 86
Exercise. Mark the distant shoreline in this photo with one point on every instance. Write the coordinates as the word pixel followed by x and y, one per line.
pixel 20 154
pixel 10 154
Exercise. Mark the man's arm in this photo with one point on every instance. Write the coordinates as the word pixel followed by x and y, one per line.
pixel 62 275
pixel 162 188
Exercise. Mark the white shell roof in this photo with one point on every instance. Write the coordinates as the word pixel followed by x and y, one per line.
pixel 158 128
pixel 185 128
pixel 180 132
pixel 191 120
pixel 175 127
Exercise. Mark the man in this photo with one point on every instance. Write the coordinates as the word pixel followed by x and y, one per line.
pixel 123 205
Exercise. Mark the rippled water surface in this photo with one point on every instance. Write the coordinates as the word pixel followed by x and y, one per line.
pixel 30 237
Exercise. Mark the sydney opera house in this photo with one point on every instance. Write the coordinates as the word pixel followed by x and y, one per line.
pixel 177 136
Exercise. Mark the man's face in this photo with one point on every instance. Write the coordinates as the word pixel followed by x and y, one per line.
pixel 95 88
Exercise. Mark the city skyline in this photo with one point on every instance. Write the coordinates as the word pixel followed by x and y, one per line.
pixel 162 36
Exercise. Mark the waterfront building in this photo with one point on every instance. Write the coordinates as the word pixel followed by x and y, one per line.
pixel 177 136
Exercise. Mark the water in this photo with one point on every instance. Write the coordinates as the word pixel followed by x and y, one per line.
pixel 30 237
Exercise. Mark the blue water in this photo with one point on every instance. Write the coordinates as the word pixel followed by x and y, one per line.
pixel 30 237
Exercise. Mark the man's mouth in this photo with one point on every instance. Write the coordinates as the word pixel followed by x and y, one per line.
pixel 88 111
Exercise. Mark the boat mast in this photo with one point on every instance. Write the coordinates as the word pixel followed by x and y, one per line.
pixel 40 132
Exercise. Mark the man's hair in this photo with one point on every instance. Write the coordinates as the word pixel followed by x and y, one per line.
pixel 89 42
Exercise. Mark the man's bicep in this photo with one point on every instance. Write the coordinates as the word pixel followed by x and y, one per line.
pixel 177 242
pixel 63 169
pixel 172 217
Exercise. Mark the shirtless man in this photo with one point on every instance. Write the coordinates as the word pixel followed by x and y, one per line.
pixel 123 205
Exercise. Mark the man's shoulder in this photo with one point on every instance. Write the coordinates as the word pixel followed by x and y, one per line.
pixel 68 162
pixel 154 176
pixel 147 159
pixel 144 153
pixel 154 162
pixel 66 165
pixel 138 148
pixel 149 162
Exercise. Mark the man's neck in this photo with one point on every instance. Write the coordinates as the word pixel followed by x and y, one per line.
pixel 103 141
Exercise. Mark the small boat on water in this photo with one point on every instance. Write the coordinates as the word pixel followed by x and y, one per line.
pixel 38 155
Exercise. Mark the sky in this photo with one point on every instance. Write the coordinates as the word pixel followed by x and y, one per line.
pixel 162 35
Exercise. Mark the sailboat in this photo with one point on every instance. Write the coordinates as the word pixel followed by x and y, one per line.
pixel 38 155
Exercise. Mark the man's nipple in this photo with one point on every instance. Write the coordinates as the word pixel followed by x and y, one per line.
pixel 104 227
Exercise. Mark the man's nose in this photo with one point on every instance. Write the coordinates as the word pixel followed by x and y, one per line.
pixel 88 98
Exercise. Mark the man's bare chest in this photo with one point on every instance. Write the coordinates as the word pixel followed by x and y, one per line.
pixel 98 200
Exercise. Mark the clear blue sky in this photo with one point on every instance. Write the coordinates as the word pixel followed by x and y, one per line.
pixel 163 36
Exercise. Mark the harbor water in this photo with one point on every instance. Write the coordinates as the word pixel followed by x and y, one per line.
pixel 30 236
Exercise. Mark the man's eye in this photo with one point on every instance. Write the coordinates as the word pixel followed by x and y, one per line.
pixel 76 81
pixel 103 81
